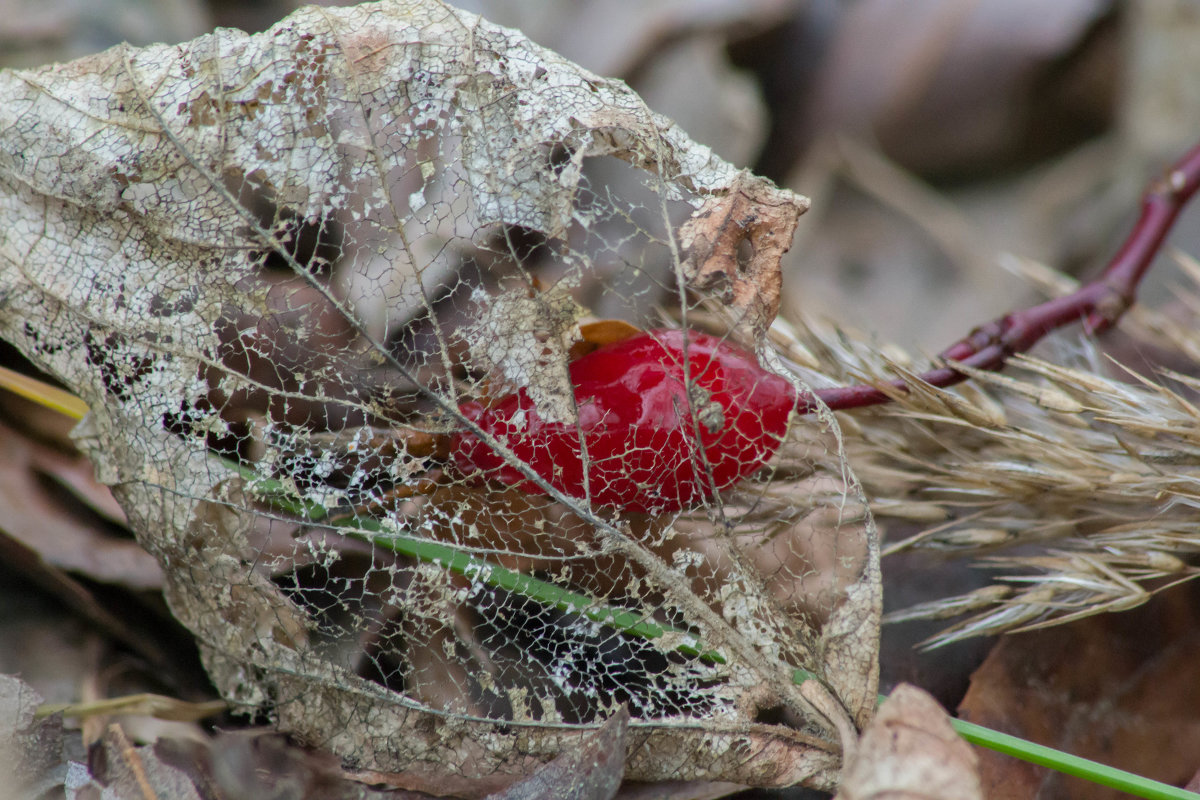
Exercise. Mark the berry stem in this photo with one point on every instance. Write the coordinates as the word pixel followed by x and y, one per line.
pixel 1098 304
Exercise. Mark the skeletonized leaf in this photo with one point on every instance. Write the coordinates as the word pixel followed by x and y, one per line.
pixel 276 267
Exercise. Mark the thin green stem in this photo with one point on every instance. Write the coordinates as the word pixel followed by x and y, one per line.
pixel 1068 764
pixel 543 592
pixel 455 560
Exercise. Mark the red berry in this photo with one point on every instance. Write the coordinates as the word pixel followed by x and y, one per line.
pixel 643 452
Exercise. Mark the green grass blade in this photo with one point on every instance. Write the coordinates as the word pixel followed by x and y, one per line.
pixel 544 592
pixel 449 557
pixel 371 530
pixel 1068 764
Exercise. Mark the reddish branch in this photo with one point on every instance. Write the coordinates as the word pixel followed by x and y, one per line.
pixel 1098 304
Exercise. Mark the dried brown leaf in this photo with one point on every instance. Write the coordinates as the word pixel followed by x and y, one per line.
pixel 735 243
pixel 910 751
pixel 128 772
pixel 79 599
pixel 61 535
pixel 591 771
pixel 1117 689
pixel 31 750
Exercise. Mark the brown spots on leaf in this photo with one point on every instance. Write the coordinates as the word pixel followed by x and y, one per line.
pixel 305 87
pixel 203 111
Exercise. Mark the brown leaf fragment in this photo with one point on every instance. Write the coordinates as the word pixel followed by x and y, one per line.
pixel 593 335
pixel 910 751
pixel 78 598
pixel 256 763
pixel 136 773
pixel 678 790
pixel 37 516
pixel 1194 784
pixel 592 771
pixel 31 750
pixel 734 243
pixel 412 784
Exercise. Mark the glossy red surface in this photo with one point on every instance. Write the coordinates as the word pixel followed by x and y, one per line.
pixel 648 448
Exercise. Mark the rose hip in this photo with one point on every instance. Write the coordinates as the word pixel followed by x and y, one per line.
pixel 648 444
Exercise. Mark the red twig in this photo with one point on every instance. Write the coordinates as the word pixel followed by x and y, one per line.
pixel 1098 304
